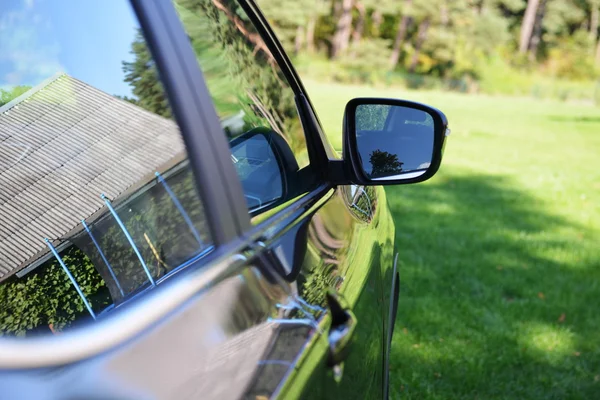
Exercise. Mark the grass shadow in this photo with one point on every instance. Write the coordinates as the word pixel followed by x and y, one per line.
pixel 561 118
pixel 498 297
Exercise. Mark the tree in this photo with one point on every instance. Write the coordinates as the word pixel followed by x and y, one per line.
pixel 594 11
pixel 384 164
pixel 454 39
pixel 405 20
pixel 9 95
pixel 536 35
pixel 527 25
pixel 240 70
pixel 46 296
pixel 421 37
pixel 343 27
pixel 142 75
pixel 360 23
pixel 294 21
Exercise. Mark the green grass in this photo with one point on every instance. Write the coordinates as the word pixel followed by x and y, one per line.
pixel 500 251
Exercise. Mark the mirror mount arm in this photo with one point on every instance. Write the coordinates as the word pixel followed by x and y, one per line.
pixel 337 172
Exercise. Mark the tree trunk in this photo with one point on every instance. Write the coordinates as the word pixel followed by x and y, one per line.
pixel 377 19
pixel 421 37
pixel 527 25
pixel 336 7
pixel 537 31
pixel 341 35
pixel 598 52
pixel 400 35
pixel 310 34
pixel 594 23
pixel 255 38
pixel 360 24
pixel 444 14
pixel 298 40
pixel 479 7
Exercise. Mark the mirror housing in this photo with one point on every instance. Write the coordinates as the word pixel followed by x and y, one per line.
pixel 390 141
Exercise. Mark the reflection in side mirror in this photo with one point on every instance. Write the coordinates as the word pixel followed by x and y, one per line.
pixel 258 169
pixel 393 141
pixel 266 166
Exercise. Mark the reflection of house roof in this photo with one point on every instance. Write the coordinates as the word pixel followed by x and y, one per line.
pixel 62 144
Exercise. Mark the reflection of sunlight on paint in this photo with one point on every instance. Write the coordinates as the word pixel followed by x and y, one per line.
pixel 552 342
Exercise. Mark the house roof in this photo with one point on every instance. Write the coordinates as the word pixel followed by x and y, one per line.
pixel 62 144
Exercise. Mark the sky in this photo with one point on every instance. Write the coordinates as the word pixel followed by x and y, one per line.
pixel 87 39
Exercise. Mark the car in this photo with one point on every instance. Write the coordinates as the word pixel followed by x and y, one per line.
pixel 175 222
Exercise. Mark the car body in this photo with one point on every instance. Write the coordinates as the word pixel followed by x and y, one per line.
pixel 293 290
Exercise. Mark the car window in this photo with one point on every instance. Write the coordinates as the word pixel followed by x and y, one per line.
pixel 253 100
pixel 97 199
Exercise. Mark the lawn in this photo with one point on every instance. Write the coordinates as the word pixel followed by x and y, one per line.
pixel 500 251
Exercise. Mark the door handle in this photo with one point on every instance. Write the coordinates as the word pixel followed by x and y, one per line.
pixel 343 325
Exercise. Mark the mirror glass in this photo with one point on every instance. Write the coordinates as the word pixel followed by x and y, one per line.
pixel 393 142
pixel 258 169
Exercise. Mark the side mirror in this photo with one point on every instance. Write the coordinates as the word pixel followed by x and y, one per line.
pixel 389 141
pixel 266 166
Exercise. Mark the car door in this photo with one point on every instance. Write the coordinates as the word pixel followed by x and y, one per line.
pixel 254 312
pixel 338 236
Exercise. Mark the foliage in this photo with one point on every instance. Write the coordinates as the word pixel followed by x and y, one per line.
pixel 364 61
pixel 371 117
pixel 9 95
pixel 47 296
pixel 453 41
pixel 291 21
pixel 570 58
pixel 241 71
pixel 384 164
pixel 142 75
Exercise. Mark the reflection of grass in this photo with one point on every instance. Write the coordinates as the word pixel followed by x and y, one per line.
pixel 499 253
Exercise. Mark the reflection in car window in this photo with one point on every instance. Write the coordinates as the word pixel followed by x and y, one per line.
pixel 89 160
pixel 249 91
pixel 258 169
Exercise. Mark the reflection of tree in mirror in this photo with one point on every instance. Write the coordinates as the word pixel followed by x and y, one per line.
pixel 371 117
pixel 384 164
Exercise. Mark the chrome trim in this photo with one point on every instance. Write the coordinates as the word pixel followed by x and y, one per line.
pixel 116 328
pixel 185 264
pixel 309 346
